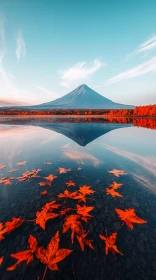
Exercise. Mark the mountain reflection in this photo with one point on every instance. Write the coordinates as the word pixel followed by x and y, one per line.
pixel 80 130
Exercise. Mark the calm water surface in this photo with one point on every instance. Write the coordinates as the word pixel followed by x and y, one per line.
pixel 90 150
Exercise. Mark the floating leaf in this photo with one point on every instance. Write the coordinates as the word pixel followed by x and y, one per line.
pixel 129 217
pixel 29 174
pixel 82 192
pixel 110 243
pixel 46 213
pixel 70 184
pixel 84 241
pixel 63 170
pixel 83 211
pixel 1 260
pixel 10 226
pixel 117 172
pixel 21 163
pixel 2 166
pixel 26 255
pixel 6 181
pixel 72 222
pixel 52 255
pixel 66 194
pixel 44 192
pixel 47 163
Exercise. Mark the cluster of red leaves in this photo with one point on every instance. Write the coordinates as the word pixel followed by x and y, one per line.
pixel 29 174
pixel 112 190
pixel 8 227
pixel 73 222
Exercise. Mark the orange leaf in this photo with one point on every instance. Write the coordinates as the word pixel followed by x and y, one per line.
pixel 72 222
pixel 70 184
pixel 82 192
pixel 2 166
pixel 29 174
pixel 113 193
pixel 6 181
pixel 110 243
pixel 21 163
pixel 63 170
pixel 10 226
pixel 83 241
pixel 83 211
pixel 50 179
pixel 117 172
pixel 129 217
pixel 1 260
pixel 52 255
pixel 46 213
pixel 44 192
pixel 67 194
pixel 26 255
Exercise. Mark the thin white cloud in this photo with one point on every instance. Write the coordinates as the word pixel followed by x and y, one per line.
pixel 147 67
pixel 2 34
pixel 48 92
pixel 79 72
pixel 20 46
pixel 148 46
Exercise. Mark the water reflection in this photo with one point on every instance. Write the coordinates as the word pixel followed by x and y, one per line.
pixel 87 149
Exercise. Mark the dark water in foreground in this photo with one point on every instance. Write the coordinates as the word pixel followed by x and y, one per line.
pixel 90 150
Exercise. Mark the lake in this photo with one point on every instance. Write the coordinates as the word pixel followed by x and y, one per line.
pixel 40 158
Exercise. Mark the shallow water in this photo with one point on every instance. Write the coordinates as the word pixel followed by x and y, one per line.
pixel 90 149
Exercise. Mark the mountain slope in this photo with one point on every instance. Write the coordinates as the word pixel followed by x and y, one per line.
pixel 82 97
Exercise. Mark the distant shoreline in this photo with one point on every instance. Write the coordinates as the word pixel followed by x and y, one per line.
pixel 140 111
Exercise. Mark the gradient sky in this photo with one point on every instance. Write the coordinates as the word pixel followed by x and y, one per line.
pixel 49 47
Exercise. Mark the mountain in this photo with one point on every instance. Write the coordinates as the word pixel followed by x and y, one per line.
pixel 83 97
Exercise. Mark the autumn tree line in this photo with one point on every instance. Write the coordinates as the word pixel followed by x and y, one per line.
pixel 139 111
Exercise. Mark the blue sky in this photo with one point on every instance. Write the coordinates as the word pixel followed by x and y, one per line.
pixel 47 48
